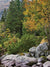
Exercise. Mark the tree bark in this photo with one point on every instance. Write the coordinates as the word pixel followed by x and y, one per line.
pixel 48 36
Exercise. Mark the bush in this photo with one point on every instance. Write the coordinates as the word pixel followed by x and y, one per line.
pixel 11 44
pixel 8 39
pixel 18 35
pixel 0 49
pixel 15 45
pixel 12 48
pixel 27 41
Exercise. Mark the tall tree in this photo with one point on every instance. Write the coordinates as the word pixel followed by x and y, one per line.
pixel 15 16
pixel 37 15
pixel 3 18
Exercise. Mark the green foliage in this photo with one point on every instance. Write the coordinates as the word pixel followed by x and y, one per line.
pixel 18 35
pixel 3 18
pixel 15 16
pixel 27 41
pixel 13 44
pixel 12 48
pixel 13 27
pixel 2 27
pixel 8 39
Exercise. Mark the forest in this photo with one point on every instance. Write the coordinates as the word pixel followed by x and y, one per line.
pixel 23 25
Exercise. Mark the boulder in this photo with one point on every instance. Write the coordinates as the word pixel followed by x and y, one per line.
pixel 25 60
pixel 18 61
pixel 34 65
pixel 39 64
pixel 42 59
pixel 26 54
pixel 41 50
pixel 10 57
pixel 3 56
pixel 25 66
pixel 48 57
pixel 46 64
pixel 9 60
pixel 8 63
pixel 32 51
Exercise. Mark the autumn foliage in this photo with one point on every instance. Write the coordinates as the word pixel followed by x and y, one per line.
pixel 36 14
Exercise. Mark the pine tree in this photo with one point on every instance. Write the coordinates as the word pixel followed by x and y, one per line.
pixel 15 16
pixel 3 18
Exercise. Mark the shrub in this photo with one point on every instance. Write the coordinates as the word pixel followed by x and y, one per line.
pixel 28 41
pixel 22 45
pixel 12 48
pixel 18 35
pixel 7 39
pixel 11 41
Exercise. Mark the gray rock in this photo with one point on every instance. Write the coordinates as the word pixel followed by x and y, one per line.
pixel 3 56
pixel 40 64
pixel 41 49
pixel 32 51
pixel 8 63
pixel 10 57
pixel 34 65
pixel 24 60
pixel 26 54
pixel 48 57
pixel 41 59
pixel 18 64
pixel 46 64
pixel 25 66
pixel 9 60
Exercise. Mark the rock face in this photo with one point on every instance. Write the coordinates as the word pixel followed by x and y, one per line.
pixel 46 64
pixel 40 50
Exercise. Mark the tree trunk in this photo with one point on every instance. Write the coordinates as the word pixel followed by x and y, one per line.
pixel 48 36
pixel 21 29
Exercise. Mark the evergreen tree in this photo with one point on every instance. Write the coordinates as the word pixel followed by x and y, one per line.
pixel 15 16
pixel 3 18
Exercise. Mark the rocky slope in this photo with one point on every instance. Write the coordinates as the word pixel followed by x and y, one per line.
pixel 37 57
